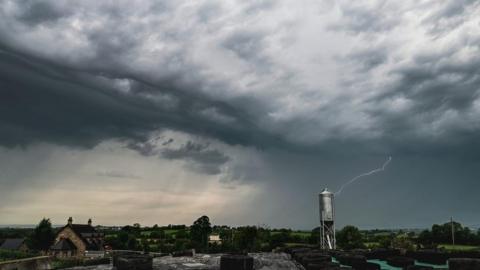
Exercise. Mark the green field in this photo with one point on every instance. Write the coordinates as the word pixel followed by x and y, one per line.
pixel 302 234
pixel 171 232
pixel 458 247
pixel 372 244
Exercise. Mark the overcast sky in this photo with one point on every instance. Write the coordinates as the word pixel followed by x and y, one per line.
pixel 163 111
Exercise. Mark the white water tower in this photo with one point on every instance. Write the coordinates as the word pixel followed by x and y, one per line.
pixel 327 220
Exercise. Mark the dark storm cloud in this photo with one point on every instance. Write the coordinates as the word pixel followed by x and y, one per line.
pixel 144 148
pixel 74 102
pixel 38 12
pixel 367 59
pixel 248 46
pixel 199 156
pixel 437 86
pixel 41 101
pixel 83 101
pixel 167 142
pixel 448 16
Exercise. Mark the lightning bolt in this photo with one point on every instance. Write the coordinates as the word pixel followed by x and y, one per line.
pixel 381 169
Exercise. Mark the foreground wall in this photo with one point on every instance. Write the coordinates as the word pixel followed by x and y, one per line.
pixel 35 263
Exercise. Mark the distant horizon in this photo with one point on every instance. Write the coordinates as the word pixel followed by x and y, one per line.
pixel 29 226
pixel 474 226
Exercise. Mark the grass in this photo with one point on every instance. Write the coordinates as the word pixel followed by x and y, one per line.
pixel 302 234
pixel 382 234
pixel 167 232
pixel 291 245
pixel 458 247
pixel 372 244
pixel 171 231
pixel 447 247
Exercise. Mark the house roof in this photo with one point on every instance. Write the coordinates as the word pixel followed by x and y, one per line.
pixel 14 243
pixel 64 244
pixel 82 228
pixel 87 233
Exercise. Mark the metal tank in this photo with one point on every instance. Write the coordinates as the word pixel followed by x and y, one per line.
pixel 327 220
pixel 326 205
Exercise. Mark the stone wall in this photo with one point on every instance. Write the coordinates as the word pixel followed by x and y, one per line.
pixel 68 233
pixel 35 263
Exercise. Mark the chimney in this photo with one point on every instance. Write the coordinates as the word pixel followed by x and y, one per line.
pixel 90 222
pixel 70 221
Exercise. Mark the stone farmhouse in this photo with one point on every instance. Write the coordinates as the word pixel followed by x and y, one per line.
pixel 76 240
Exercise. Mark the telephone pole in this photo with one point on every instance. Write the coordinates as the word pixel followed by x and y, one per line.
pixel 453 231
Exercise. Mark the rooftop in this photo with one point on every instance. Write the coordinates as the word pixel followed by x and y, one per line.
pixel 13 243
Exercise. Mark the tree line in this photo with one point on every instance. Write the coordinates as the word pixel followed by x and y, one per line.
pixel 174 238
pixel 351 237
pixel 246 238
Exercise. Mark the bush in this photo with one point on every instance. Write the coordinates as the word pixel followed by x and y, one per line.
pixel 66 263
pixel 403 242
pixel 350 238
